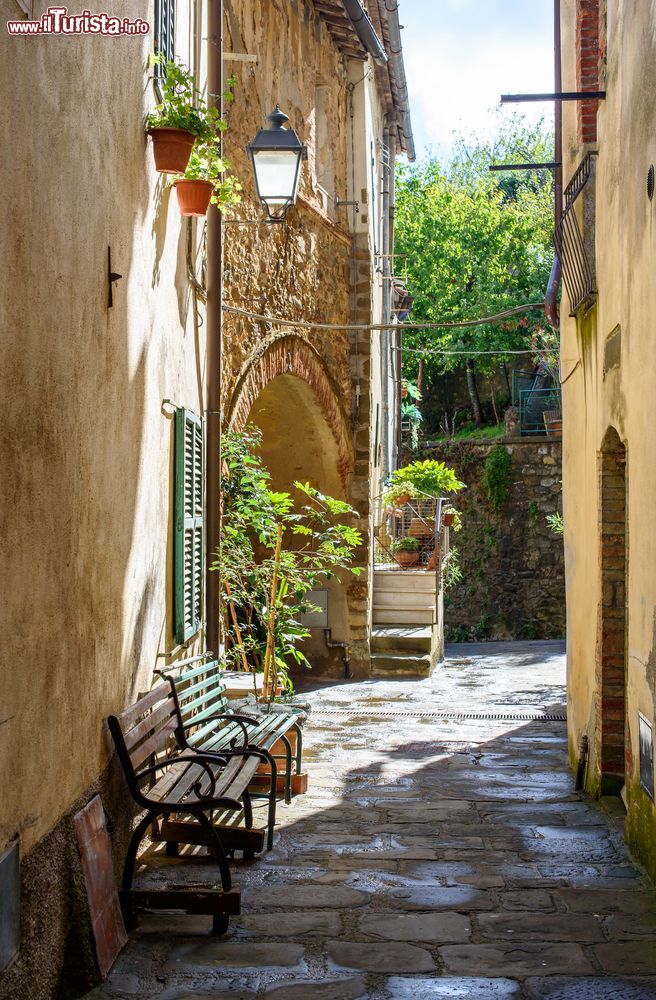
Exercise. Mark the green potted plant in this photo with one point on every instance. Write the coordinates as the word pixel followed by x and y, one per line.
pixel 406 552
pixel 451 517
pixel 399 493
pixel 429 478
pixel 205 180
pixel 181 117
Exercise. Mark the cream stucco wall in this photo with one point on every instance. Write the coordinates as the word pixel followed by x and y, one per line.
pixel 621 397
pixel 87 441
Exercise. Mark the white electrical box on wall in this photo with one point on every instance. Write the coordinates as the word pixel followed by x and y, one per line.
pixel 316 619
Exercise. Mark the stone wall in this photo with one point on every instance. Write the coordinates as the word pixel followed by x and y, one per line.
pixel 513 584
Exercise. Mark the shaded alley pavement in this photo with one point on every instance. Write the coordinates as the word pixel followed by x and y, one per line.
pixel 430 858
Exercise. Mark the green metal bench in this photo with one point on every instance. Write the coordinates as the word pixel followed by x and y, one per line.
pixel 211 726
pixel 192 786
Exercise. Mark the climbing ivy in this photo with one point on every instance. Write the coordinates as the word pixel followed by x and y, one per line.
pixel 498 466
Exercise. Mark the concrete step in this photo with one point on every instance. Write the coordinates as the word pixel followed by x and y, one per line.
pixel 400 665
pixel 401 599
pixel 403 616
pixel 415 640
pixel 406 580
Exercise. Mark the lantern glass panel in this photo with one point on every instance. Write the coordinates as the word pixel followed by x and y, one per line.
pixel 276 172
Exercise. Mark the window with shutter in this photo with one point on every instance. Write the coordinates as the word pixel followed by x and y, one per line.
pixel 164 33
pixel 188 553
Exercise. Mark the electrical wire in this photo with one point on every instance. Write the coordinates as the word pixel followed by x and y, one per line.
pixel 463 324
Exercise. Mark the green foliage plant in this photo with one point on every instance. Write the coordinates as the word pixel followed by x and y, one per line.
pixel 182 105
pixel 207 164
pixel 405 545
pixel 428 477
pixel 398 491
pixel 452 572
pixel 498 469
pixel 555 522
pixel 317 542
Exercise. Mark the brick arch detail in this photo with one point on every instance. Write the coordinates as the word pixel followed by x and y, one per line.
pixel 289 354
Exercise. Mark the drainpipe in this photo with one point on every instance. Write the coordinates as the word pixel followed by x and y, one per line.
pixel 365 30
pixel 215 88
pixel 551 299
pixel 387 299
pixel 344 646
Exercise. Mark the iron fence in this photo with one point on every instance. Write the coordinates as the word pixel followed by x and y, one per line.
pixel 540 411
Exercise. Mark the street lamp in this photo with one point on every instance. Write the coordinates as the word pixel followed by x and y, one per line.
pixel 277 153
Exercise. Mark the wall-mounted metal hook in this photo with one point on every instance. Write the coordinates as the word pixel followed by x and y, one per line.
pixel 341 201
pixel 112 276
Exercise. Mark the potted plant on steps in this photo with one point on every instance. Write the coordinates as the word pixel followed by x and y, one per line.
pixel 205 181
pixel 406 552
pixel 181 117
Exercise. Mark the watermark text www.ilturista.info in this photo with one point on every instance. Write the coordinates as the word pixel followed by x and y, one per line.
pixel 57 21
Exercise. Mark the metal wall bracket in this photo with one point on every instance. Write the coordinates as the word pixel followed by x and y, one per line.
pixel 112 277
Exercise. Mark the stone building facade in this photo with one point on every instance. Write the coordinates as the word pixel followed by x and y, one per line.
pixel 608 368
pixel 92 390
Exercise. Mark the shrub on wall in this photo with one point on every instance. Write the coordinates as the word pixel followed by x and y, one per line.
pixel 498 466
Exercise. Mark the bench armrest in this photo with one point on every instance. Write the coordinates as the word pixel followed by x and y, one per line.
pixel 203 760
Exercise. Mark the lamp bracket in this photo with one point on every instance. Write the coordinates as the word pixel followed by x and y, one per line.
pixel 342 201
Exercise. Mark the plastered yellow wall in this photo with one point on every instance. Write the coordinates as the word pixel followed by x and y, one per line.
pixel 621 396
pixel 87 437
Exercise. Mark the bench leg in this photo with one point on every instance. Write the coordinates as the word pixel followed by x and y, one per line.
pixel 271 819
pixel 288 768
pixel 299 747
pixel 216 849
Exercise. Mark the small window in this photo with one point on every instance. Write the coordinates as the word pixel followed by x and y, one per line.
pixel 188 552
pixel 164 33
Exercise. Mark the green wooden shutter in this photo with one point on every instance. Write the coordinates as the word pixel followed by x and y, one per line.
pixel 188 553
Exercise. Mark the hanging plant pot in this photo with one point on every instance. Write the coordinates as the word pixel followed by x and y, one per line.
pixel 193 196
pixel 404 393
pixel 403 498
pixel 448 519
pixel 172 148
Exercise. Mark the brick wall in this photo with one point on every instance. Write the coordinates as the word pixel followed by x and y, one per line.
pixel 587 65
pixel 611 712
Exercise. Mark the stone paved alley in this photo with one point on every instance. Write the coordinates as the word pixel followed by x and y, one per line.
pixel 430 858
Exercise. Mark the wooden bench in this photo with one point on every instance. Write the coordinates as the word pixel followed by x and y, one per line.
pixel 211 726
pixel 167 782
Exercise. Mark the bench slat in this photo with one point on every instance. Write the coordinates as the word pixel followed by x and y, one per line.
pixel 155 744
pixel 129 715
pixel 149 723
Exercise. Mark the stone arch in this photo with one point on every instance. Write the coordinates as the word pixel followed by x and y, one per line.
pixel 290 355
pixel 612 738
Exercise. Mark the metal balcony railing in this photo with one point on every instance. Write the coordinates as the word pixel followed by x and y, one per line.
pixel 577 263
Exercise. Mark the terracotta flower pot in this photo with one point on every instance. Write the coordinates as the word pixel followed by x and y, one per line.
pixel 448 519
pixel 404 498
pixel 553 423
pixel 193 196
pixel 406 559
pixel 172 149
pixel 404 393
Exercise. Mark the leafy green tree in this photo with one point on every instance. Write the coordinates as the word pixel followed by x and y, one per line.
pixel 475 243
pixel 315 544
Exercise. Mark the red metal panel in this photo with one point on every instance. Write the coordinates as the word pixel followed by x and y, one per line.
pixel 98 869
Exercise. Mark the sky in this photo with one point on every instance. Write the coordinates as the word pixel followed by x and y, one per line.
pixel 461 55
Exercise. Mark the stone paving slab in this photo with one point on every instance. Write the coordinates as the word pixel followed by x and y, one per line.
pixel 429 859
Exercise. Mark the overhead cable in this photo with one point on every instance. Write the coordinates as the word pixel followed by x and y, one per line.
pixel 309 325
